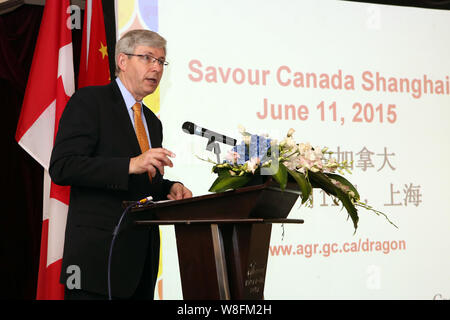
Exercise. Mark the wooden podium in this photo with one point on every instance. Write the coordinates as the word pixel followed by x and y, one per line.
pixel 223 238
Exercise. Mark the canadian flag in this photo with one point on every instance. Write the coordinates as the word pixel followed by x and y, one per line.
pixel 50 85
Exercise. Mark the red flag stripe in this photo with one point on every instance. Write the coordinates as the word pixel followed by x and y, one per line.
pixel 37 138
pixel 40 92
pixel 48 274
pixel 50 84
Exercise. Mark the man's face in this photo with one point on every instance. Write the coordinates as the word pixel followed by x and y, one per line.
pixel 142 76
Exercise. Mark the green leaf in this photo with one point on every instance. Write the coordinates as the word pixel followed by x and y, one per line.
pixel 349 206
pixel 281 176
pixel 225 182
pixel 320 180
pixel 303 183
pixel 344 181
pixel 222 171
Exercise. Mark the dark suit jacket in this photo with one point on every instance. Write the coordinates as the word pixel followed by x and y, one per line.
pixel 92 150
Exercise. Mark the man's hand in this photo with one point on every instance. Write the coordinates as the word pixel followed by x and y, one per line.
pixel 179 191
pixel 150 160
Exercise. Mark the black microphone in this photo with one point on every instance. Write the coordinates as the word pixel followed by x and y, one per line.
pixel 191 128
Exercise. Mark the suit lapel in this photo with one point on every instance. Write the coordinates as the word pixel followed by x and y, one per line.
pixel 155 132
pixel 120 110
pixel 153 127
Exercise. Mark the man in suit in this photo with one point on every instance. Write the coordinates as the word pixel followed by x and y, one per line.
pixel 109 149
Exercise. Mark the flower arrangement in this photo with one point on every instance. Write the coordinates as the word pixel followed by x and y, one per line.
pixel 288 160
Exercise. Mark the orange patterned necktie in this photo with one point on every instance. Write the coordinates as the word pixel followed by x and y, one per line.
pixel 140 131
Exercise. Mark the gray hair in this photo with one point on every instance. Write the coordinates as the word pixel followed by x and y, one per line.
pixel 140 37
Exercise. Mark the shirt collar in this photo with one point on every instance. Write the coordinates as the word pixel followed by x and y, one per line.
pixel 127 96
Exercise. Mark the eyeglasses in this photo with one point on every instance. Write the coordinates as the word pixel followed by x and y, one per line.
pixel 147 58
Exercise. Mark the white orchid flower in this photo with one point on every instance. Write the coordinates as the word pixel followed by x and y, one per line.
pixel 253 164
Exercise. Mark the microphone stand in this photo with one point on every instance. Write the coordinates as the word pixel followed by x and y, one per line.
pixel 214 147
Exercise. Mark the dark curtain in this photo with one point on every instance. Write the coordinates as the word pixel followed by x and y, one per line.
pixel 21 176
